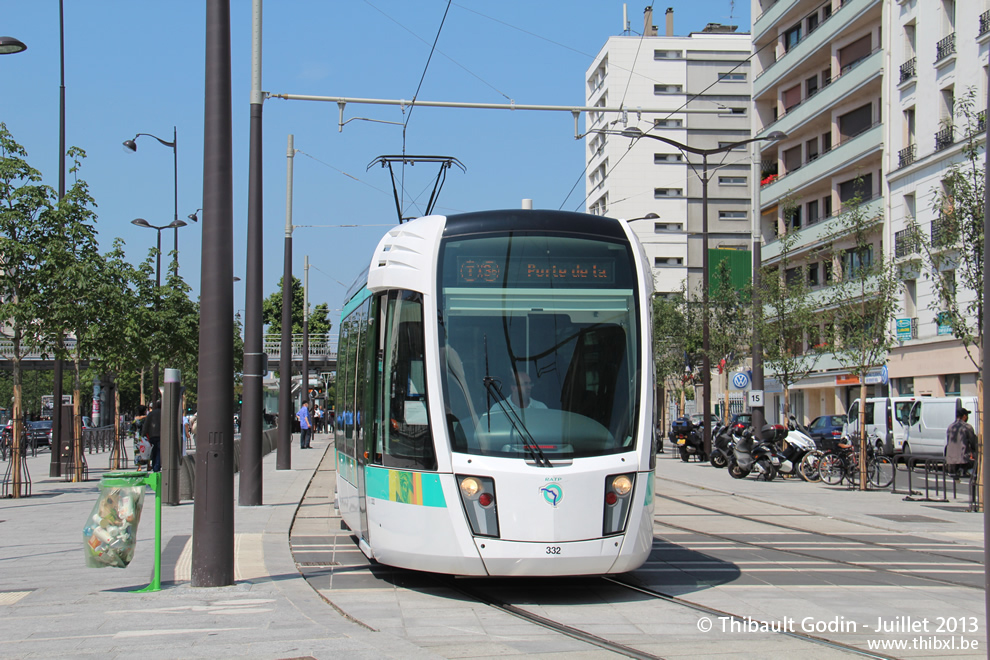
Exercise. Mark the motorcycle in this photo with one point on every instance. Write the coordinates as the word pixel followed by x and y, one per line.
pixel 687 438
pixel 722 446
pixel 752 455
pixel 791 444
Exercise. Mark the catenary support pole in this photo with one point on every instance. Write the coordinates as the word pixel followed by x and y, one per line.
pixel 213 515
pixel 251 485
pixel 55 467
pixel 304 379
pixel 985 403
pixel 757 380
pixel 283 458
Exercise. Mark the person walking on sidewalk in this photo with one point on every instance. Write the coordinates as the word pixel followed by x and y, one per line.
pixel 960 443
pixel 152 430
pixel 305 425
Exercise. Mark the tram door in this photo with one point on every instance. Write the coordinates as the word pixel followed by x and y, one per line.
pixel 364 385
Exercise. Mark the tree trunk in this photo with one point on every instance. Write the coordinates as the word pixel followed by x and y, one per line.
pixel 862 432
pixel 978 473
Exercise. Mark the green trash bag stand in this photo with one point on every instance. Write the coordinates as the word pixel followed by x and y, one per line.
pixel 154 480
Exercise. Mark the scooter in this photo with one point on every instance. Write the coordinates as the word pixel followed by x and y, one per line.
pixel 791 446
pixel 687 438
pixel 722 446
pixel 752 455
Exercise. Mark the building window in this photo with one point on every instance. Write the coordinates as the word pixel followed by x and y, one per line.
pixel 659 159
pixel 905 386
pixel 861 188
pixel 732 77
pixel 732 181
pixel 735 145
pixel 732 111
pixel 792 37
pixel 813 215
pixel 667 89
pixel 856 259
pixel 667 262
pixel 813 275
pixel 733 215
pixel 667 227
pixel 668 192
pixel 666 54
pixel 668 123
pixel 853 123
pixel 855 53
pixel 952 384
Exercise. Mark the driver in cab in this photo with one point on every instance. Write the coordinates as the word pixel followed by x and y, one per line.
pixel 520 397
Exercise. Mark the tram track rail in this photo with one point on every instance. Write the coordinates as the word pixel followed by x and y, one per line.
pixel 793 528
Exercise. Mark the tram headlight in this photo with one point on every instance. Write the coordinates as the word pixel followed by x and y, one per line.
pixel 617 496
pixel 470 487
pixel 479 502
pixel 622 484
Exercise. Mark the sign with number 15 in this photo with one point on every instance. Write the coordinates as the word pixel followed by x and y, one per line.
pixel 755 398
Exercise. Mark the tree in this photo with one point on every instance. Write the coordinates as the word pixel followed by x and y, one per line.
pixel 952 252
pixel 861 302
pixel 790 316
pixel 729 324
pixel 70 273
pixel 669 336
pixel 25 221
pixel 271 313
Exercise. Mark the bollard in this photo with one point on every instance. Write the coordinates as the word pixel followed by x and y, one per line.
pixel 171 432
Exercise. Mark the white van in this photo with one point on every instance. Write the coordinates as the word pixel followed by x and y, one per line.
pixel 879 421
pixel 928 420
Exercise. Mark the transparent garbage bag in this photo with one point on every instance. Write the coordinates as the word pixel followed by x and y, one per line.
pixel 110 534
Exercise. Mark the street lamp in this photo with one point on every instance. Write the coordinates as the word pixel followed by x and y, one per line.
pixel 175 224
pixel 10 45
pixel 131 145
pixel 706 376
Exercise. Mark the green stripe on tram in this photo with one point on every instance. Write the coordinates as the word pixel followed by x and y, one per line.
pixel 418 488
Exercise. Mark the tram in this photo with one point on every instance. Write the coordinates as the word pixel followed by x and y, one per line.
pixel 495 397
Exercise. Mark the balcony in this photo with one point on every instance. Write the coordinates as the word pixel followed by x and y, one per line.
pixel 905 243
pixel 852 81
pixel 823 35
pixel 820 232
pixel 909 70
pixel 849 152
pixel 943 233
pixel 907 155
pixel 775 9
pixel 944 138
pixel 945 48
pixel 984 23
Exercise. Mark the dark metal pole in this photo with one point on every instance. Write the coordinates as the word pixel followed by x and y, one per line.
pixel 982 471
pixel 213 515
pixel 252 408
pixel 706 364
pixel 757 411
pixel 175 193
pixel 304 380
pixel 55 466
pixel 283 459
pixel 158 284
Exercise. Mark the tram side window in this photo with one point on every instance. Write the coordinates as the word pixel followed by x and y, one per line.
pixel 361 335
pixel 406 439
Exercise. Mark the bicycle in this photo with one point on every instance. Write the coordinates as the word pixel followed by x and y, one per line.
pixel 837 466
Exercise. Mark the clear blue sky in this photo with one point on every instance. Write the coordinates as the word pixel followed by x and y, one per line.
pixel 137 67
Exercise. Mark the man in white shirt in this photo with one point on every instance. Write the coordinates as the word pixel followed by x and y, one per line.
pixel 520 399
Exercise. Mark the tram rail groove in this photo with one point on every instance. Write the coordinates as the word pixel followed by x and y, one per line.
pixel 841 537
pixel 814 639
pixel 550 624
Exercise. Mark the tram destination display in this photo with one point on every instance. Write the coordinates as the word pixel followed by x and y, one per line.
pixel 490 271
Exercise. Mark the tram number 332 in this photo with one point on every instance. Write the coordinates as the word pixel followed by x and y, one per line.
pixel 553 549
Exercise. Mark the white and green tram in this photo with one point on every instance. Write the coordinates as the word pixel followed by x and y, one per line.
pixel 495 397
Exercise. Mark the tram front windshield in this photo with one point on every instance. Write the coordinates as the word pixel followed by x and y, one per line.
pixel 539 345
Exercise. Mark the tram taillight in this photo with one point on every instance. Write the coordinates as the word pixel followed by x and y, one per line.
pixel 618 490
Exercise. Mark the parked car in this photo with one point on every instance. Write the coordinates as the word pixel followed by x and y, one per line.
pixel 698 419
pixel 740 421
pixel 826 430
pixel 40 433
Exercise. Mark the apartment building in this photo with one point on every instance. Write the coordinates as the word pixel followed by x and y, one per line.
pixel 704 79
pixel 818 77
pixel 937 57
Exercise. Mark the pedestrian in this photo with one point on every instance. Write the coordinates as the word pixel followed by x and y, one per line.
pixel 305 425
pixel 152 430
pixel 317 418
pixel 960 443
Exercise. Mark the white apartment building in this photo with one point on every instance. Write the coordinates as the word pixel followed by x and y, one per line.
pixel 937 54
pixel 707 71
pixel 818 77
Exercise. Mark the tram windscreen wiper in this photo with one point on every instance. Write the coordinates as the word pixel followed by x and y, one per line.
pixel 529 442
